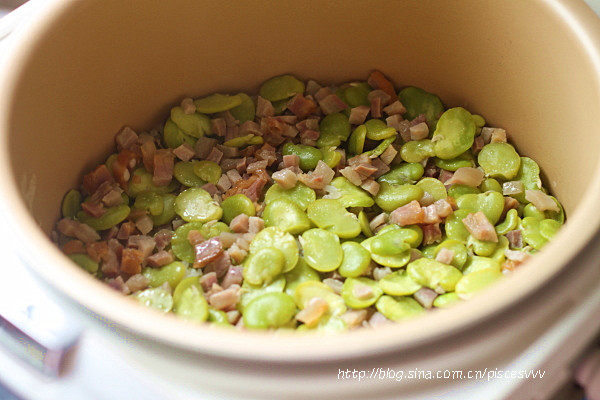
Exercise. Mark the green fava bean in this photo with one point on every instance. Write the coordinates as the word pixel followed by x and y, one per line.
pixel 399 308
pixel 245 111
pixel 335 129
pixel 262 267
pixel 417 151
pixel 454 134
pixel 322 249
pixel 301 194
pixel 434 187
pixel 141 181
pixel 477 263
pixel 490 203
pixel 378 130
pixel 531 211
pixel 357 94
pixel 393 261
pixel 287 215
pixel 302 272
pixel 390 243
pixel 311 289
pixel 417 101
pixel 446 300
pixel 112 216
pixel 217 102
pixel 275 237
pixel 183 285
pixel 196 205
pixel 404 173
pixel 549 228
pixel 236 205
pixel 191 305
pixel 499 160
pixel 475 281
pixel 429 251
pixel 330 215
pixel 331 156
pixel 85 262
pixel 71 204
pixel 481 247
pixel 529 174
pixel 157 298
pixel 195 125
pixel 218 317
pixel 398 283
pixel 510 223
pixel 356 260
pixel 172 273
pixel 382 147
pixel 149 201
pixel 309 156
pixel 183 171
pixel 365 226
pixel 530 228
pixel 351 195
pixel 434 274
pixel 464 160
pixel 498 254
pixel 252 291
pixel 182 247
pixel 460 252
pixel 490 184
pixel 245 140
pixel 392 196
pixel 208 171
pixel 174 137
pixel 360 292
pixel 356 143
pixel 455 229
pixel 270 310
pixel 458 190
pixel 281 87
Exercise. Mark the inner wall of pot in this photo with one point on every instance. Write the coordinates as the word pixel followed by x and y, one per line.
pixel 114 63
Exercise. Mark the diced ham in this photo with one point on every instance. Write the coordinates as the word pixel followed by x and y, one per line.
pixel 312 87
pixel 229 163
pixel 131 261
pixel 273 130
pixel 378 81
pixel 285 178
pixel 110 233
pixel 119 285
pixel 75 247
pixel 232 277
pixel 266 153
pixel 478 144
pixel 487 133
pixel 110 263
pixel 234 176
pixel 425 297
pixel 188 106
pixel 359 159
pixel 163 167
pixel 162 238
pixel 351 174
pixel 224 183
pixel 426 200
pixel 335 284
pixel 207 281
pixel 233 317
pixel 184 152
pixel 215 155
pixel 319 178
pixel 381 272
pixel 159 259
pixel 362 291
pixel 144 224
pixel 226 299
pixel 195 237
pixel 381 167
pixel 264 108
pixel 256 166
pixel 203 146
pixel 145 244
pixel 94 179
pixel 371 186
pixel 395 108
pixel 308 124
pixel 378 222
pixel 250 127
pixel 541 200
pixel 309 137
pixel 419 131
pixel 113 197
pixel 354 318
pixel 445 176
pixel 398 123
pixel 301 106
pixel 445 255
pixel 512 187
pixel 480 227
pixel 137 282
pixel 236 253
pixel 516 255
pixel 443 207
pixel 207 251
pixel 322 93
pixel 409 214
pixel 125 230
pixel 431 170
pixel 228 152
pixel 83 232
pixel 389 154
pixel 148 148
pixel 358 115
pixel 122 166
pixel 239 224
pixel 377 320
pixel 227 239
pixel 515 239
pixel 252 187
pixel 431 233
pixel 498 136
pixel 255 224
pixel 313 311
pixel 430 215
pixel 126 138
pixel 211 188
pixel 332 104
pixel 418 119
pixel 94 209
pixel 466 176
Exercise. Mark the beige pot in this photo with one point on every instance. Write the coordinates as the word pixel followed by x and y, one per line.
pixel 84 68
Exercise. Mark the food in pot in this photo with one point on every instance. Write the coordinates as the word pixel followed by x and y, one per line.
pixel 309 207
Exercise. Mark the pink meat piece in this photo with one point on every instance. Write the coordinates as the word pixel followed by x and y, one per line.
pixel 207 251
pixel 285 178
pixel 515 239
pixel 126 138
pixel 211 188
pixel 220 265
pixel 425 297
pixel 137 282
pixel 466 176
pixel 83 232
pixel 430 215
pixel 162 238
pixel 144 224
pixel 125 230
pixel 264 108
pixel 371 186
pixel 148 148
pixel 389 154
pixel 203 146
pixel 308 124
pixel 266 153
pixel 163 167
pixel 376 105
pixel 159 259
pixel 541 200
pixel 224 183
pixel 255 224
pixel 291 160
pixel 445 255
pixel 207 281
pixel 232 277
pixel 480 227
pixel 358 115
pixel 239 224
pixel 381 167
pixel 332 104
pixel 419 131
pixel 319 178
pixel 309 137
pixel 215 155
pixel 184 152
pixel 408 214
pixel 351 174
pixel 478 144
pixel 218 127
pixel 227 299
pixel 95 209
pixel 301 106
pixel 119 285
pixel 395 108
pixel 143 243
pixel 443 207
pixel 322 93
pixel 444 176
pixel 93 180
pixel 431 233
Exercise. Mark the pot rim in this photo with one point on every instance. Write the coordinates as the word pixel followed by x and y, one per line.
pixel 58 271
